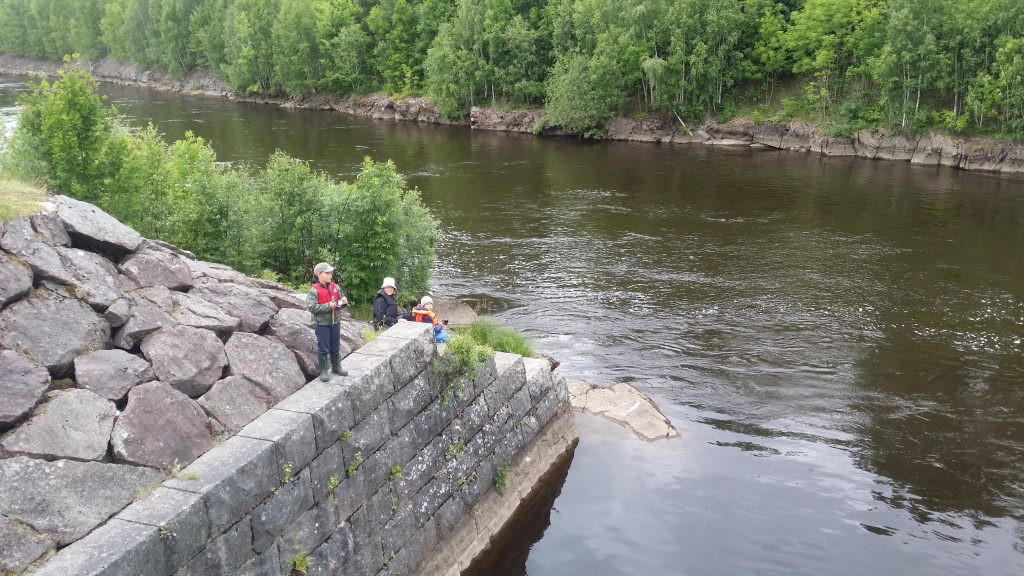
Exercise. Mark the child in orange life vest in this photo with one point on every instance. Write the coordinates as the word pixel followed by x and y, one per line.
pixel 323 301
pixel 425 313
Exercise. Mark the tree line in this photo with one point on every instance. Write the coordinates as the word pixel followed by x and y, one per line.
pixel 848 64
pixel 275 222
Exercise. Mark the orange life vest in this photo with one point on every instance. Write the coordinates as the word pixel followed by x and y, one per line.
pixel 424 315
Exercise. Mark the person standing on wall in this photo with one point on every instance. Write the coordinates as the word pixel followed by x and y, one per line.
pixel 385 305
pixel 324 301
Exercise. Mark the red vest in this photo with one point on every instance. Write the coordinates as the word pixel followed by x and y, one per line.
pixel 326 294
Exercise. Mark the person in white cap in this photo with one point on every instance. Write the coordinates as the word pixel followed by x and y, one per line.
pixel 425 313
pixel 385 305
pixel 323 301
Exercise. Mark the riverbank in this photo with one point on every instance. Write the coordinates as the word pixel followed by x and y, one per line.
pixel 934 149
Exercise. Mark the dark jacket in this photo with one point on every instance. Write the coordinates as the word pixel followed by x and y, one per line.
pixel 385 310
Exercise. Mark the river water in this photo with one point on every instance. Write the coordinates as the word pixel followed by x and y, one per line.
pixel 839 341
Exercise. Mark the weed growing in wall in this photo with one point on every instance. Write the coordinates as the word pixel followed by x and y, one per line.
pixel 501 476
pixel 350 471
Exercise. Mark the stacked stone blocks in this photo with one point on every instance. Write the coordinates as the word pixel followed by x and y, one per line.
pixel 387 471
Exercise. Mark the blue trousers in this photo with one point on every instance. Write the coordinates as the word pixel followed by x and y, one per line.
pixel 328 339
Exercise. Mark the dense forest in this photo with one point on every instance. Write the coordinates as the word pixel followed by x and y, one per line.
pixel 848 64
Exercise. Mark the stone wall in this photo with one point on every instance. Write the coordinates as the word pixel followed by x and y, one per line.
pixel 390 470
pixel 157 420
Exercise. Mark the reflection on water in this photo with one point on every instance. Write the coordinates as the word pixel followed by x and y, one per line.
pixel 841 339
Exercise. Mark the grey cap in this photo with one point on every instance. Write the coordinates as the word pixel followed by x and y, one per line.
pixel 322 267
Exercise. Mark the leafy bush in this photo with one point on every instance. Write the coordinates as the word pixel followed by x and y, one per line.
pixel 279 220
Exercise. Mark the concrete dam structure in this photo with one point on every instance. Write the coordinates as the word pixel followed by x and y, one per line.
pixel 166 425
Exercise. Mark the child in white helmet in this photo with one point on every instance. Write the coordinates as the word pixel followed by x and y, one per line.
pixel 425 313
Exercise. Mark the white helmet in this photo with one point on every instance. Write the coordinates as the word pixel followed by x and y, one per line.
pixel 426 300
pixel 389 281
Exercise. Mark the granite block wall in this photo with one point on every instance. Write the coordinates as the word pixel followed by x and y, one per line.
pixel 388 471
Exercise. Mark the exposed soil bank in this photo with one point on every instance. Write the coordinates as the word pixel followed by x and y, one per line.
pixel 931 149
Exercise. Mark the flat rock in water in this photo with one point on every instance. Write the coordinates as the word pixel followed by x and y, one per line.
pixel 90 227
pixel 21 240
pixel 158 268
pixel 111 373
pixel 23 382
pixel 67 499
pixel 189 359
pixel 455 312
pixel 265 361
pixel 160 426
pixel 234 402
pixel 252 308
pixel 72 424
pixel 624 404
pixel 52 330
pixel 15 280
pixel 20 545
pixel 294 328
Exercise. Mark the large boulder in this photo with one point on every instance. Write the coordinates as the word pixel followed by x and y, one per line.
pixel 198 313
pixel 252 308
pixel 97 282
pixel 158 268
pixel 111 373
pixel 67 499
pixel 23 382
pixel 294 328
pixel 15 279
pixel 52 330
pixel 265 361
pixel 72 424
pixel 90 227
pixel 160 427
pixel 188 359
pixel 234 402
pixel 21 241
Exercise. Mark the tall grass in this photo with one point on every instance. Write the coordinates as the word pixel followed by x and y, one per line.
pixel 18 198
pixel 497 337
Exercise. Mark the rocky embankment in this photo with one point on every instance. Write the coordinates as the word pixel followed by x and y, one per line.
pixel 936 149
pixel 123 359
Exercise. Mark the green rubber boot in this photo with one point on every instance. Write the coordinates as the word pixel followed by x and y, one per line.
pixel 336 364
pixel 325 372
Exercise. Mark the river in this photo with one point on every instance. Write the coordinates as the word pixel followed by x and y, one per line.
pixel 839 341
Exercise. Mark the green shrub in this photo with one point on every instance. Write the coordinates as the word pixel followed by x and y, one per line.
pixel 278 221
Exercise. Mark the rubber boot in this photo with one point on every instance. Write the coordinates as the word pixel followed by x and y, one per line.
pixel 325 372
pixel 336 364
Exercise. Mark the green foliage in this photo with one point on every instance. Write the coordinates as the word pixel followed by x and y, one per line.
pixel 501 474
pixel 379 228
pixel 496 337
pixel 455 450
pixel 286 473
pixel 463 356
pixel 350 470
pixel 63 131
pixel 332 486
pixel 586 60
pixel 300 562
pixel 395 473
pixel 276 222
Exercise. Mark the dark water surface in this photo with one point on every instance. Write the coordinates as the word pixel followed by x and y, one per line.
pixel 839 341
